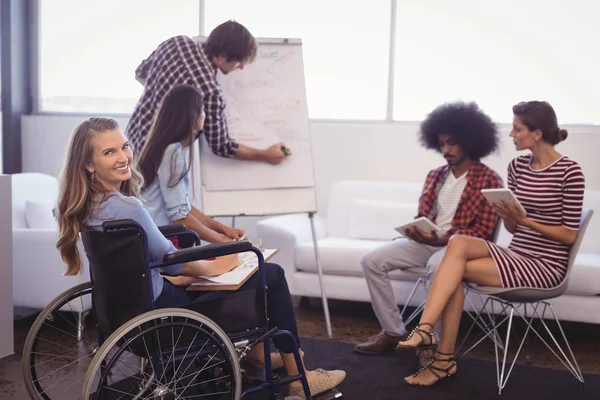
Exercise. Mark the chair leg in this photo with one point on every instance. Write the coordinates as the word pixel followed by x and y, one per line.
pixel 420 307
pixel 479 319
pixel 502 374
pixel 488 328
pixel 569 362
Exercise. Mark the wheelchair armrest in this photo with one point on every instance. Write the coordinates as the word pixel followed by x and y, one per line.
pixel 172 229
pixel 208 251
pixel 118 224
pixel 180 232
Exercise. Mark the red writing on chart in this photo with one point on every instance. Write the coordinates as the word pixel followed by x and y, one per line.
pixel 254 84
pixel 285 57
pixel 232 121
pixel 245 137
pixel 274 122
pixel 286 106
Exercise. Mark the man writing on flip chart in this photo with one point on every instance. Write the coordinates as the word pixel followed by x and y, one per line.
pixel 451 198
pixel 181 60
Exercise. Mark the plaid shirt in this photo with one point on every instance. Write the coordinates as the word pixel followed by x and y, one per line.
pixel 176 61
pixel 474 216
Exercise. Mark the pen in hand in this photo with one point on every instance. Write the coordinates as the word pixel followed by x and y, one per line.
pixel 243 236
pixel 286 151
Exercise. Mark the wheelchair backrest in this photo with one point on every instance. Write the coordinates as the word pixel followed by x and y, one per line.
pixel 118 269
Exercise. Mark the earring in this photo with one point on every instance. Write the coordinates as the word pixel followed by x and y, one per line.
pixel 92 177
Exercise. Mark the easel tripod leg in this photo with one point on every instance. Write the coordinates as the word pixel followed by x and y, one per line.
pixel 320 272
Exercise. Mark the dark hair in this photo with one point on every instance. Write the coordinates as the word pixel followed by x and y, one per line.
pixel 472 130
pixel 232 40
pixel 174 122
pixel 540 115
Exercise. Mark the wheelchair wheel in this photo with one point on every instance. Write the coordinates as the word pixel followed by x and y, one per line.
pixel 169 353
pixel 60 346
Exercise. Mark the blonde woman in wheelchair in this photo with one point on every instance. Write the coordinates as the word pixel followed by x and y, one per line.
pixel 550 188
pixel 100 183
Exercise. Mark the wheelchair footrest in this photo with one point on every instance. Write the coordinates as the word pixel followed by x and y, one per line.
pixel 329 395
pixel 332 394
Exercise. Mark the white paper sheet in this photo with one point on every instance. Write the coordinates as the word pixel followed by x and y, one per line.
pixel 237 275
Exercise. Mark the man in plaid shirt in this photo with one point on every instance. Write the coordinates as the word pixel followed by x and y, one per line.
pixel 181 60
pixel 451 198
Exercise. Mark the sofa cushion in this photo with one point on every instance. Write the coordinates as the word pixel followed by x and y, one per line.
pixel 39 215
pixel 585 276
pixel 339 256
pixel 373 219
pixel 343 193
pixel 591 240
pixel 32 186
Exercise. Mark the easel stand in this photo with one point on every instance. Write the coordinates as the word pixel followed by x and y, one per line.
pixel 319 271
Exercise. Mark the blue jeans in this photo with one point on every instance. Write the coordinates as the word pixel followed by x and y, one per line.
pixel 279 302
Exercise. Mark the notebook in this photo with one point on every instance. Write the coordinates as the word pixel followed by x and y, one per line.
pixel 235 278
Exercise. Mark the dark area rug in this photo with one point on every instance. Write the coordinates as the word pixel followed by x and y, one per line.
pixel 381 377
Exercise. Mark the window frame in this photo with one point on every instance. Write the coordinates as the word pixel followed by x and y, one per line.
pixel 35 78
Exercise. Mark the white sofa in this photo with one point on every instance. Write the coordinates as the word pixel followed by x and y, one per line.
pixel 38 270
pixel 361 215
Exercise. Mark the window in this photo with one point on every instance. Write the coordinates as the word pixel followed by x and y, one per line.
pixel 498 53
pixel 345 48
pixel 89 50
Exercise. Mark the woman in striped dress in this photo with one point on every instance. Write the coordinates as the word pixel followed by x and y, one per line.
pixel 550 187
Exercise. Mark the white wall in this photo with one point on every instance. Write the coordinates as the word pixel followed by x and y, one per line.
pixel 6 266
pixel 366 151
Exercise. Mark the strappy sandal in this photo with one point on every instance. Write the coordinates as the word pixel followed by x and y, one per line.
pixel 427 338
pixel 440 373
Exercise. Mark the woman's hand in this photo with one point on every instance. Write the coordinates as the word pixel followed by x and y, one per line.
pixel 228 262
pixel 509 211
pixel 215 267
pixel 233 233
pixel 180 280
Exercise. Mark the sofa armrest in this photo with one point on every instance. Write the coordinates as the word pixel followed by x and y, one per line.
pixel 38 270
pixel 284 233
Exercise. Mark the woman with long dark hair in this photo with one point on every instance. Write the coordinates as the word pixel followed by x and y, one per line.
pixel 165 162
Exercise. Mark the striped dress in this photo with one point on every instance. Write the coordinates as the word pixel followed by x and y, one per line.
pixel 550 196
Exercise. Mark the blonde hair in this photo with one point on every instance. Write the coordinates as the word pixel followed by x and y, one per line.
pixel 79 194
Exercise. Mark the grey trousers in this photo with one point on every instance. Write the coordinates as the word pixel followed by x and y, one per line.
pixel 378 263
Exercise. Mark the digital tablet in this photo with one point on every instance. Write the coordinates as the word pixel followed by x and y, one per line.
pixel 424 224
pixel 497 195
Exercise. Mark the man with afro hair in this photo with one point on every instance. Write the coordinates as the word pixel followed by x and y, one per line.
pixel 451 198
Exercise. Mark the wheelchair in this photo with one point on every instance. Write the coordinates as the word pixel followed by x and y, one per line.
pixel 125 348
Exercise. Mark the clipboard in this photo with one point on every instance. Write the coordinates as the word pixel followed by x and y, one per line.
pixel 208 284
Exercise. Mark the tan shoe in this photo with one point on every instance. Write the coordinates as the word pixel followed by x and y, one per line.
pixel 326 380
pixel 378 344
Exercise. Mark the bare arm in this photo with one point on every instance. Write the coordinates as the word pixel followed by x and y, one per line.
pixel 510 224
pixel 218 266
pixel 216 226
pixel 553 232
pixel 205 232
pixel 273 155
pixel 514 216
pixel 208 221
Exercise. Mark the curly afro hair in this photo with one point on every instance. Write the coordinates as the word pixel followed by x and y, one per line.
pixel 472 130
